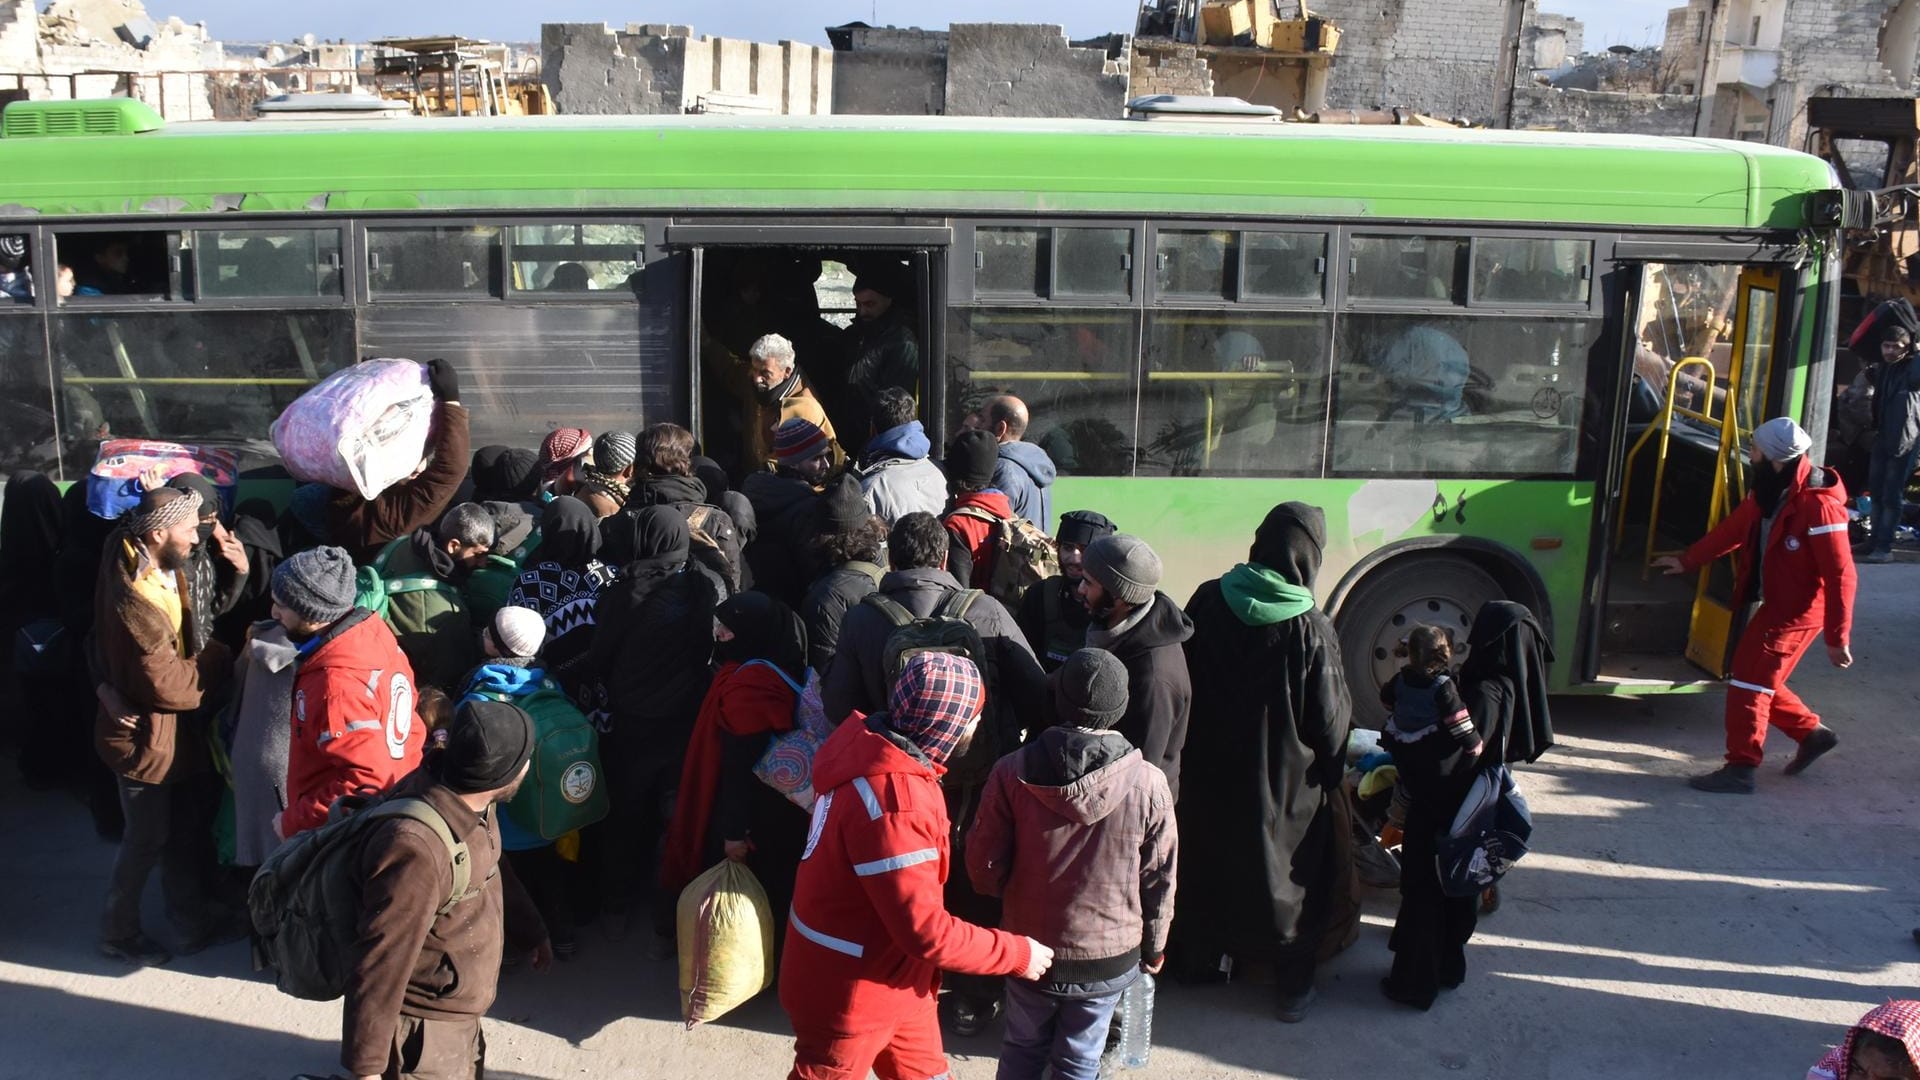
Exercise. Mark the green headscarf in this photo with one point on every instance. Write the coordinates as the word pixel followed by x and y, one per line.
pixel 1261 596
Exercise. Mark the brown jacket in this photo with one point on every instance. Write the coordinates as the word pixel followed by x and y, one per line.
pixel 364 527
pixel 137 653
pixel 410 960
pixel 1076 831
pixel 762 419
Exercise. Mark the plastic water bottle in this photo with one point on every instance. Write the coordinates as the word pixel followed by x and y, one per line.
pixel 1135 1016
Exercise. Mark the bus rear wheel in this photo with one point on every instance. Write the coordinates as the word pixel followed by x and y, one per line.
pixel 1427 590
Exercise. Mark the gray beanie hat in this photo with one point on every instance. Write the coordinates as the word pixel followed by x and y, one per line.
pixel 316 585
pixel 1124 566
pixel 1090 689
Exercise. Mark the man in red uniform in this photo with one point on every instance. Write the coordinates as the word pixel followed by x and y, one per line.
pixel 868 933
pixel 1791 532
pixel 354 727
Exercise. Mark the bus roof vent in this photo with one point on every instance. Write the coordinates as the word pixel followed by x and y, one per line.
pixel 53 119
pixel 1193 107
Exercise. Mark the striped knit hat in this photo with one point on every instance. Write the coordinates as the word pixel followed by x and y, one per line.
pixel 614 451
pixel 797 440
pixel 561 448
pixel 936 698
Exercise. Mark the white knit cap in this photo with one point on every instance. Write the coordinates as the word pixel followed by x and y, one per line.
pixel 518 631
pixel 1780 439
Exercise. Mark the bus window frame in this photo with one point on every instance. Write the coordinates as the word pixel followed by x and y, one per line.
pixel 363 229
pixel 646 250
pixel 340 297
pixel 1591 278
pixel 963 267
pixel 171 230
pixel 1329 236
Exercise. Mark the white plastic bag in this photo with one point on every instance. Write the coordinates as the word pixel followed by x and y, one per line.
pixel 363 428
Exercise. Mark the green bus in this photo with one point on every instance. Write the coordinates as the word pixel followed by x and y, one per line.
pixel 1447 339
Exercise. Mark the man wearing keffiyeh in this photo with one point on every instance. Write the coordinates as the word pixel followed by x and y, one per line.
pixel 1884 1045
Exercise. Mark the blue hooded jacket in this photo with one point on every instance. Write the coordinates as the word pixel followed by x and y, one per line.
pixel 1026 474
pixel 909 440
pixel 511 682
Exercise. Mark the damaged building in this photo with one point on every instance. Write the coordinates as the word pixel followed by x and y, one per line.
pixel 106 48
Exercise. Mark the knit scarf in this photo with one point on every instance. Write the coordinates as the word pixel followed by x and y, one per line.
pixel 1259 596
pixel 615 485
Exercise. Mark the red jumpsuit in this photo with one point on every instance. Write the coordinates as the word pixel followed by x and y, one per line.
pixel 1806 586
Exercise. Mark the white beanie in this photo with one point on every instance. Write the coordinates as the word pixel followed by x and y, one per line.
pixel 1780 439
pixel 519 632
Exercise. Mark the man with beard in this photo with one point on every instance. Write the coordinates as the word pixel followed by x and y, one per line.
pixel 780 393
pixel 1051 614
pixel 141 658
pixel 1791 533
pixel 1271 713
pixel 425 972
pixel 879 350
pixel 1143 629
pixel 354 727
pixel 426 604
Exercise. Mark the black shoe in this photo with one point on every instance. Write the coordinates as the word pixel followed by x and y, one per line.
pixel 138 950
pixel 1818 741
pixel 971 1016
pixel 1293 1009
pixel 1916 935
pixel 224 932
pixel 1394 994
pixel 1725 780
pixel 566 948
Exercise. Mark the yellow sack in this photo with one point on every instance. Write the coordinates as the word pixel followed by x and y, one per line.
pixel 725 930
pixel 568 846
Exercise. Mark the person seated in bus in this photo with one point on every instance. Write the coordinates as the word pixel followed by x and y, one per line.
pixel 1426 372
pixel 108 270
pixel 15 279
pixel 781 392
pixel 364 526
pixel 569 277
pixel 878 350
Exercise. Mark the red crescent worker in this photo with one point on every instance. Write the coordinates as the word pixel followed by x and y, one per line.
pixel 1791 532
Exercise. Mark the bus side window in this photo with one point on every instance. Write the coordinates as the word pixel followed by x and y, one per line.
pixel 1074 368
pixel 446 260
pixel 290 263
pixel 120 264
pixel 1234 393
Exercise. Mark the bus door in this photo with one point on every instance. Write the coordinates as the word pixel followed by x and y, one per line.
pixel 1756 324
pixel 797 280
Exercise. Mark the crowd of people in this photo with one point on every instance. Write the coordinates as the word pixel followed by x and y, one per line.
pixel 999 810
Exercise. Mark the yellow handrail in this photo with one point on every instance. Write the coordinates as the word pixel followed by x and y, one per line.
pixel 1664 428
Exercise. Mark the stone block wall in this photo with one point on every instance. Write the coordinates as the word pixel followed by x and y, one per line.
pixel 1019 69
pixel 658 69
pixel 19 36
pixel 1444 58
pixel 1170 69
pixel 890 72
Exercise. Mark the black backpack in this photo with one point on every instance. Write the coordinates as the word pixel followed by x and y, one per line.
pixel 305 899
pixel 946 631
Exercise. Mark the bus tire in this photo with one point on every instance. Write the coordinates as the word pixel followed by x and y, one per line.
pixel 1431 590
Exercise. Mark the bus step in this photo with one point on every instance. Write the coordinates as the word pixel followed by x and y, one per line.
pixel 1648 673
pixel 1653 626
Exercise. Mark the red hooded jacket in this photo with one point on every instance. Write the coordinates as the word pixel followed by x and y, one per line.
pixel 354 727
pixel 869 932
pixel 1806 574
pixel 975 533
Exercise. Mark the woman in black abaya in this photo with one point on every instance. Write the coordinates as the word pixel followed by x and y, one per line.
pixel 1504 684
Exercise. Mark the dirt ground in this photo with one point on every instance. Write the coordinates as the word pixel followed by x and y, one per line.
pixel 1654 932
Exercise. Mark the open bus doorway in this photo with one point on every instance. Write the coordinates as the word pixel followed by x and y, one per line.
pixel 1703 377
pixel 857 318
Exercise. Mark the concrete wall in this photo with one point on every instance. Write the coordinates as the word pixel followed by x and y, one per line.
pixel 1170 69
pixel 1018 69
pixel 19 36
pixel 656 69
pixel 890 72
pixel 1445 57
pixel 1542 108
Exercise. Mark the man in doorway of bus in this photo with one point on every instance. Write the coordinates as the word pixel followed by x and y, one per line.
pixel 1051 614
pixel 364 526
pixel 879 350
pixel 1145 630
pixel 1791 533
pixel 1896 421
pixel 781 392
pixel 896 475
pixel 1023 471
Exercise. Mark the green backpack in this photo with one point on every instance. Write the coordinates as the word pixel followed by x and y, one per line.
pixel 304 901
pixel 487 588
pixel 374 590
pixel 565 789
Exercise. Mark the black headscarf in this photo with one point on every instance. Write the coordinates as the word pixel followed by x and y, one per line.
pixel 569 534
pixel 651 540
pixel 30 535
pixel 763 629
pixel 1292 540
pixel 712 475
pixel 1506 643
pixel 504 474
